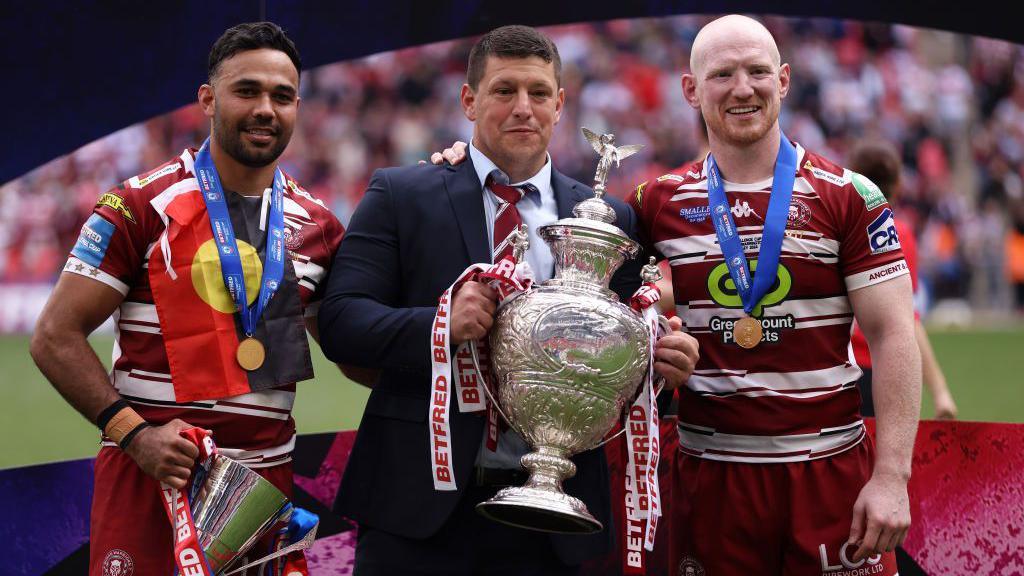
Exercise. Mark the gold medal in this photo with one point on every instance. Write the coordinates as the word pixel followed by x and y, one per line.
pixel 250 354
pixel 747 332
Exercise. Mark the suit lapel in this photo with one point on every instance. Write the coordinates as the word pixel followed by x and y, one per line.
pixel 567 193
pixel 467 202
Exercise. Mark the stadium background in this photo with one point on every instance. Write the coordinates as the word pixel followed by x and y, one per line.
pixel 953 104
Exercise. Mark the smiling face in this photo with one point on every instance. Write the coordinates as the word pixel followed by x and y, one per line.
pixel 253 102
pixel 514 109
pixel 736 81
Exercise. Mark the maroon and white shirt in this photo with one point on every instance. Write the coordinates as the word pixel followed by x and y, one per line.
pixel 115 247
pixel 794 396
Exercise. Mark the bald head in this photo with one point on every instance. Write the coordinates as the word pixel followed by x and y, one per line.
pixel 729 32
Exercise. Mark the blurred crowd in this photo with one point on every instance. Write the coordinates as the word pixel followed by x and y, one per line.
pixel 953 105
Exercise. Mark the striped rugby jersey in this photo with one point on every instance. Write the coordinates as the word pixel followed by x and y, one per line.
pixel 116 245
pixel 793 397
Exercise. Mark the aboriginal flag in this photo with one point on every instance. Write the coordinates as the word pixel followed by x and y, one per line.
pixel 200 327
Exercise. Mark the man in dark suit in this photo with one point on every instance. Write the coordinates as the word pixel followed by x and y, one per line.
pixel 414 232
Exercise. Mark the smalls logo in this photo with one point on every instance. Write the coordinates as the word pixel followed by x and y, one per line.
pixel 696 214
pixel 118 563
pixel 882 235
pixel 723 291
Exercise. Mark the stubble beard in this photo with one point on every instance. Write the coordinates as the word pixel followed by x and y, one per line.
pixel 229 138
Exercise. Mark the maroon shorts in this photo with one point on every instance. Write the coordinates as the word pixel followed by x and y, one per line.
pixel 771 519
pixel 129 530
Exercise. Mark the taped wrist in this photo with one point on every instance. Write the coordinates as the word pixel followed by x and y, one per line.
pixel 123 425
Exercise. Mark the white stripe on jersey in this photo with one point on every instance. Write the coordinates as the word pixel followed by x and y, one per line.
pixel 804 384
pixel 139 312
pixel 311 272
pixel 253 458
pixel 76 266
pixel 156 388
pixel 703 248
pixel 713 445
pixel 690 195
pixel 876 275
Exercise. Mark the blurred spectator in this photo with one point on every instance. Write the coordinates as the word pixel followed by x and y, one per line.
pixel 954 106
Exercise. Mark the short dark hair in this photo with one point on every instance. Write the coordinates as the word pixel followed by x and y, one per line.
pixel 880 162
pixel 251 36
pixel 513 41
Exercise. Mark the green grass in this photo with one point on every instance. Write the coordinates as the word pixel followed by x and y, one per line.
pixel 985 370
pixel 38 426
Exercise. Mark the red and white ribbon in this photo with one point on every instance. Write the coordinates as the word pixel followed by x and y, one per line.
pixel 507 279
pixel 642 500
pixel 188 554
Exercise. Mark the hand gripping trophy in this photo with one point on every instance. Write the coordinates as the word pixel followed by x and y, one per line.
pixel 568 357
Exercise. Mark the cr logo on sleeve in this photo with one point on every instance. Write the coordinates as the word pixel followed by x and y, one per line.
pixel 882 235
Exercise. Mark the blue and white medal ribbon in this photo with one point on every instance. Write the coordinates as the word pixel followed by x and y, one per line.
pixel 747 330
pixel 250 353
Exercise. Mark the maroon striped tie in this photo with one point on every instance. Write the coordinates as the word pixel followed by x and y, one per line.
pixel 506 218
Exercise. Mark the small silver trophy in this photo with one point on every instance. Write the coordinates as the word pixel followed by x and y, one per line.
pixel 567 357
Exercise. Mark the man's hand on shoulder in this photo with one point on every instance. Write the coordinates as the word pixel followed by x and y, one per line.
pixel 472 313
pixel 454 155
pixel 162 453
pixel 676 355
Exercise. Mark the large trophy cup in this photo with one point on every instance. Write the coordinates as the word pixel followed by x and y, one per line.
pixel 567 357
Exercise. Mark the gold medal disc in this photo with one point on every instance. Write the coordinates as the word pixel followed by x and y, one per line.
pixel 747 332
pixel 250 354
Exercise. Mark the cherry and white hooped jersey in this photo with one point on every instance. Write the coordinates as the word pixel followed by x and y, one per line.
pixel 794 396
pixel 115 248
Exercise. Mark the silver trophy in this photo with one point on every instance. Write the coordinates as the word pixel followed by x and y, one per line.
pixel 568 357
pixel 234 508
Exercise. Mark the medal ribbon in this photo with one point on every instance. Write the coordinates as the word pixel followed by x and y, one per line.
pixel 227 247
pixel 774 227
pixel 188 554
pixel 504 277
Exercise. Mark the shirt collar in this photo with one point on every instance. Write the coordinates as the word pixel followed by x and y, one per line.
pixel 483 166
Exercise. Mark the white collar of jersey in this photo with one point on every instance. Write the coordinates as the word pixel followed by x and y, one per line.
pixel 799 160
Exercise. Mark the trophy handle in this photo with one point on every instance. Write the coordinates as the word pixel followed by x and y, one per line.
pixel 476 364
pixel 659 381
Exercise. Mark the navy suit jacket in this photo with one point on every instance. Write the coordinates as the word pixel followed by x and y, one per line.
pixel 414 232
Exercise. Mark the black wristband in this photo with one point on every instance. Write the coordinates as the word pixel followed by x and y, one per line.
pixel 109 412
pixel 131 435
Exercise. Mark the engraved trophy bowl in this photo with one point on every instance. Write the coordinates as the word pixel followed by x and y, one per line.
pixel 567 357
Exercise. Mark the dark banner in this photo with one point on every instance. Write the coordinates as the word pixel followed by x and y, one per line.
pixel 967 501
pixel 89 68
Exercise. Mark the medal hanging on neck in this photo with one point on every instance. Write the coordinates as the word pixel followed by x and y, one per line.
pixel 250 353
pixel 747 331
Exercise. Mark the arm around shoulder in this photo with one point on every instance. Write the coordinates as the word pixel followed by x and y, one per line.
pixel 361 321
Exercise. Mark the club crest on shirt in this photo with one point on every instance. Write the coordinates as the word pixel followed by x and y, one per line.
pixel 118 563
pixel 799 214
pixel 689 566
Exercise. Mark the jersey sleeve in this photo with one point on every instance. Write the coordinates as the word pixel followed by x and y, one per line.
pixel 870 251
pixel 112 243
pixel 642 202
pixel 314 263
